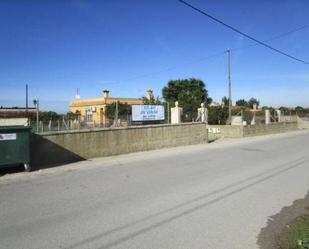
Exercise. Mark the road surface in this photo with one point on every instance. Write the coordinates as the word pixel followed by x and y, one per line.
pixel 213 196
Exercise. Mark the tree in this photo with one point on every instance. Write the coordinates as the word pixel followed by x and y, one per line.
pixel 72 115
pixel 225 101
pixel 189 93
pixel 124 110
pixel 299 109
pixel 218 115
pixel 242 103
pixel 50 115
pixel 253 101
pixel 285 110
pixel 151 101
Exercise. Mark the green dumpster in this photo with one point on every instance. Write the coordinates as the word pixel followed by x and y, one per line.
pixel 15 146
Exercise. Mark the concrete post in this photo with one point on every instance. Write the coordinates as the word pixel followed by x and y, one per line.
pixel 104 115
pixel 176 113
pixel 49 125
pixel 279 115
pixel 267 117
pixel 253 120
pixel 206 116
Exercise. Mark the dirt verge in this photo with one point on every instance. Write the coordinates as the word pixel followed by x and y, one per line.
pixel 270 235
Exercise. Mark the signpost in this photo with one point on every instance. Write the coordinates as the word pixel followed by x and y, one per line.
pixel 148 114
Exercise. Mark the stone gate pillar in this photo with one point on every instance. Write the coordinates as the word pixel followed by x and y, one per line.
pixel 176 113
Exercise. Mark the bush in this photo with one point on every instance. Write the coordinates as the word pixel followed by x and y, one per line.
pixel 247 116
pixel 218 115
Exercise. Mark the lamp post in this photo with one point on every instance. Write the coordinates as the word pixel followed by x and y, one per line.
pixel 229 84
pixel 116 114
pixel 36 103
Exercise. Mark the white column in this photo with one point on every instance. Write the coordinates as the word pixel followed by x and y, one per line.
pixel 176 113
pixel 279 115
pixel 267 116
pixel 253 120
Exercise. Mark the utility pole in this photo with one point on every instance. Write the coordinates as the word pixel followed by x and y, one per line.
pixel 36 104
pixel 116 114
pixel 230 84
pixel 26 97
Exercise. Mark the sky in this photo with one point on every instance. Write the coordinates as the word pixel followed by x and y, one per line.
pixel 130 46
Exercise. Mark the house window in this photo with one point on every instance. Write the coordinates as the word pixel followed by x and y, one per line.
pixel 89 116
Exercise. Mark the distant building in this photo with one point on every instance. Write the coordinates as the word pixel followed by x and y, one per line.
pixel 94 109
pixel 235 107
pixel 212 104
pixel 217 104
pixel 15 111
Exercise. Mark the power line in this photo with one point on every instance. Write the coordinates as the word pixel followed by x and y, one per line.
pixel 242 33
pixel 209 57
pixel 274 37
pixel 120 82
pixel 287 33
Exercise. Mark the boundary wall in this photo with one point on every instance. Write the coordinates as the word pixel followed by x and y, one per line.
pixel 62 147
pixel 303 123
pixel 228 131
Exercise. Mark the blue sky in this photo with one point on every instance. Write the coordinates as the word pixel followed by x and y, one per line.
pixel 130 46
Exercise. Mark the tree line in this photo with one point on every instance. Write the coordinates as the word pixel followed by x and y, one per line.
pixel 189 93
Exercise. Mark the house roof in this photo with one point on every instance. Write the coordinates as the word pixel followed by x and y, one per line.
pixel 236 107
pixel 102 101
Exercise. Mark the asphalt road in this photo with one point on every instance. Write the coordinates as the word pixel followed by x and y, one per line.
pixel 217 195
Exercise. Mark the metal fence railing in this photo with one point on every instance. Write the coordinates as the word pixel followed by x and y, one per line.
pixel 121 116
